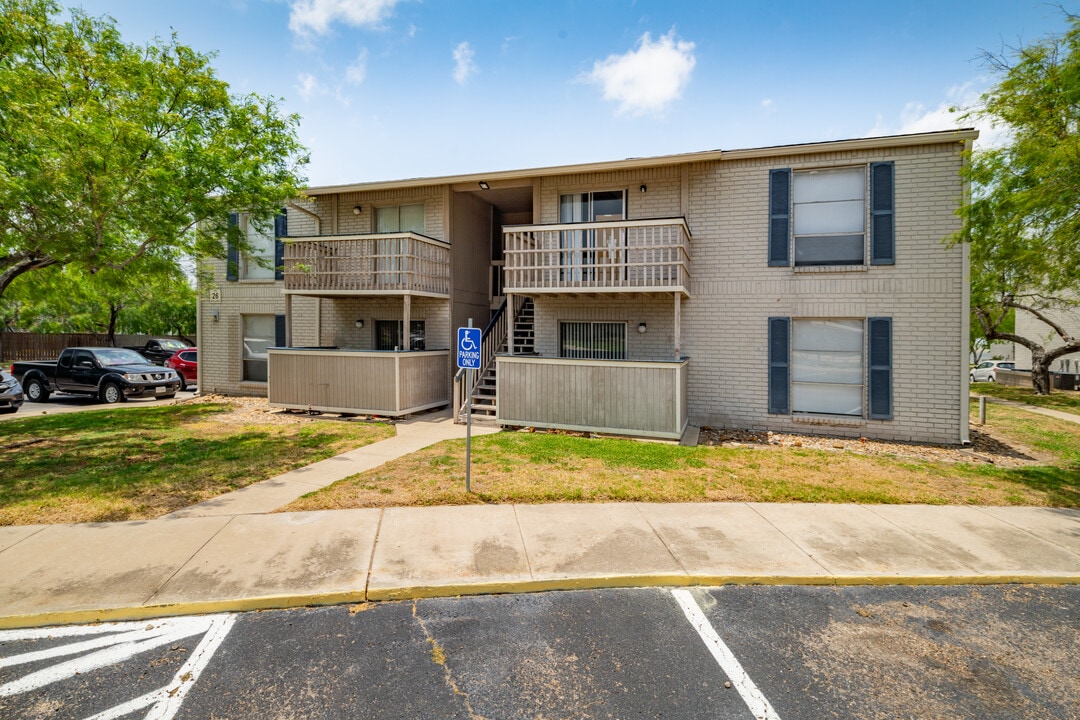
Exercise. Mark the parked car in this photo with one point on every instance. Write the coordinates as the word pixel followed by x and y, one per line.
pixel 186 365
pixel 158 350
pixel 11 393
pixel 986 371
pixel 111 374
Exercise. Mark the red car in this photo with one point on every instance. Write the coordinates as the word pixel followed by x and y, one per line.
pixel 186 364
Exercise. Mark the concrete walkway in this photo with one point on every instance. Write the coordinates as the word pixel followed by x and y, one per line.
pixel 112 571
pixel 413 434
pixel 1059 414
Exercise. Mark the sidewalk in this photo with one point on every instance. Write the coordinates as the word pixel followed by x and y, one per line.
pixel 1059 414
pixel 183 565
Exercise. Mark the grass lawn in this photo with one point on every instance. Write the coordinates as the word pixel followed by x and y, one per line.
pixel 136 464
pixel 521 467
pixel 1066 400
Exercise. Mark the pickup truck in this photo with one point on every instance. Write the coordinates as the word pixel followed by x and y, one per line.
pixel 158 350
pixel 110 374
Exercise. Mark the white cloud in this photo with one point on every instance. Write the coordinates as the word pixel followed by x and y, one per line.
pixel 767 104
pixel 917 118
pixel 463 62
pixel 356 73
pixel 314 17
pixel 308 86
pixel 648 79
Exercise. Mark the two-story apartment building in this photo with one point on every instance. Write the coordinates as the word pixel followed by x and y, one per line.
pixel 801 288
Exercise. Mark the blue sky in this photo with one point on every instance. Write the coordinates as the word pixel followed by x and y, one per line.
pixel 393 89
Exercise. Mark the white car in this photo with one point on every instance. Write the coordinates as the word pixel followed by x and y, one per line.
pixel 986 371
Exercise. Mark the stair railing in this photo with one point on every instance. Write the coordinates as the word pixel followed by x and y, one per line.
pixel 491 341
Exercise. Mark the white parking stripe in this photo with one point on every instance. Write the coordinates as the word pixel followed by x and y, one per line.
pixel 751 695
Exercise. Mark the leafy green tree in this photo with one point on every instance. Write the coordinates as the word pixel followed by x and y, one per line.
pixel 1024 220
pixel 112 153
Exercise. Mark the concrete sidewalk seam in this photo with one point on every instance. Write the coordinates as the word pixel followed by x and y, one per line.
pixel 918 539
pixel 791 540
pixel 20 541
pixel 982 509
pixel 521 534
pixel 371 557
pixel 660 537
pixel 184 564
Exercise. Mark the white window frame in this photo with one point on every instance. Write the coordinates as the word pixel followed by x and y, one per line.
pixel 811 210
pixel 810 382
pixel 258 238
pixel 248 355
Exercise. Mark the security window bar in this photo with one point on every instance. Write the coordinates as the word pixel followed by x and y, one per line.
pixel 388 334
pixel 592 340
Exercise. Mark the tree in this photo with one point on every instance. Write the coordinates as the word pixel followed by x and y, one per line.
pixel 1024 220
pixel 113 153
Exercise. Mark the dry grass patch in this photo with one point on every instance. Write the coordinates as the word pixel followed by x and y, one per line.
pixel 520 467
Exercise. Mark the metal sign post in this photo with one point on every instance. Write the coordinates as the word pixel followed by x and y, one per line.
pixel 468 358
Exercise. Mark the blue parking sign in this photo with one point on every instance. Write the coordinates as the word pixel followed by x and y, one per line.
pixel 468 348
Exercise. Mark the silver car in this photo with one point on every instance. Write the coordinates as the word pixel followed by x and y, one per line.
pixel 986 371
pixel 11 394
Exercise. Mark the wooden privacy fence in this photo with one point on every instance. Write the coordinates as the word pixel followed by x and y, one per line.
pixel 18 347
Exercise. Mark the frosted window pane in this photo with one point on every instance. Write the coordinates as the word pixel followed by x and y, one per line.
pixel 261 240
pixel 386 220
pixel 826 186
pixel 827 335
pixel 827 399
pixel 830 218
pixel 573 208
pixel 412 218
pixel 826 367
pixel 829 250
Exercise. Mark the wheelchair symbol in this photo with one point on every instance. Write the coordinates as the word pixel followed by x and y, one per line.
pixel 467 344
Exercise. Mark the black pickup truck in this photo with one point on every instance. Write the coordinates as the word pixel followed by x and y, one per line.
pixel 110 374
pixel 158 350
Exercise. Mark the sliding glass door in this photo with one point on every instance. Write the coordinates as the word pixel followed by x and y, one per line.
pixel 579 247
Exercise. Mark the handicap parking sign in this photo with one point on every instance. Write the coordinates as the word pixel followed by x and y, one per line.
pixel 468 348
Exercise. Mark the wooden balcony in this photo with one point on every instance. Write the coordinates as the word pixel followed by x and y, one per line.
pixel 624 397
pixel 622 256
pixel 358 381
pixel 383 264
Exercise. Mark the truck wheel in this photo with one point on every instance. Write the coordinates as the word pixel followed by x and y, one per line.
pixel 36 390
pixel 183 382
pixel 111 393
pixel 168 396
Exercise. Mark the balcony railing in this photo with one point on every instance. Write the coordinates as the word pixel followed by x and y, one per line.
pixel 358 381
pixel 626 255
pixel 387 264
pixel 645 398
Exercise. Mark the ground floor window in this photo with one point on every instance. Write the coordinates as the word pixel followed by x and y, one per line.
pixel 388 334
pixel 260 333
pixel 592 340
pixel 827 367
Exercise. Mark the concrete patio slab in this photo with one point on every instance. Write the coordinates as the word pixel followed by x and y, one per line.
pixel 12 535
pixel 470 547
pixel 854 544
pixel 1060 526
pixel 726 542
pixel 986 545
pixel 309 554
pixel 66 568
pixel 610 542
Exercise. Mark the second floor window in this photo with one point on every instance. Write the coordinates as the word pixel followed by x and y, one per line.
pixel 829 211
pixel 258 262
pixel 400 218
pixel 580 246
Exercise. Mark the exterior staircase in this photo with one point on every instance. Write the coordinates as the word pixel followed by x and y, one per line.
pixel 484 407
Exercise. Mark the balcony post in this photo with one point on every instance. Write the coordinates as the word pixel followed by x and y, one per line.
pixel 678 325
pixel 288 321
pixel 510 320
pixel 406 324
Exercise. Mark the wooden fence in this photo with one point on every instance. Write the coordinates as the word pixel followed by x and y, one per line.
pixel 18 347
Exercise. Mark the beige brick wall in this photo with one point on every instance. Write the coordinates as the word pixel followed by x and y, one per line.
pixel 657 312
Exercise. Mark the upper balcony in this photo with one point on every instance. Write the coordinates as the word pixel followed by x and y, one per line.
pixel 610 256
pixel 382 264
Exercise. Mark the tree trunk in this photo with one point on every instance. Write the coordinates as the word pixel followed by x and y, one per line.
pixel 114 311
pixel 1040 372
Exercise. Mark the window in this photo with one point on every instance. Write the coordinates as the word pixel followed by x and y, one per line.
pixel 400 218
pixel 829 210
pixel 189 356
pixel 821 367
pixel 258 262
pixel 827 367
pixel 579 246
pixel 388 334
pixel 592 340
pixel 819 217
pixel 260 334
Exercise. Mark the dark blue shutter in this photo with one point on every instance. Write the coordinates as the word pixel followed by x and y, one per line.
pixel 879 353
pixel 779 217
pixel 281 230
pixel 279 331
pixel 882 230
pixel 779 352
pixel 232 253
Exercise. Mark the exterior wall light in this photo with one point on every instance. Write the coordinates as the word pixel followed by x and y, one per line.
pixel 356 210
pixel 644 188
pixel 484 185
pixel 215 313
pixel 359 323
pixel 641 328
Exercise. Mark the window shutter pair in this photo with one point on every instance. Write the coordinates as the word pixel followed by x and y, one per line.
pixel 232 253
pixel 879 362
pixel 882 230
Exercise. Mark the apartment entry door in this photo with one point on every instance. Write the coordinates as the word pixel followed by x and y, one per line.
pixel 582 249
